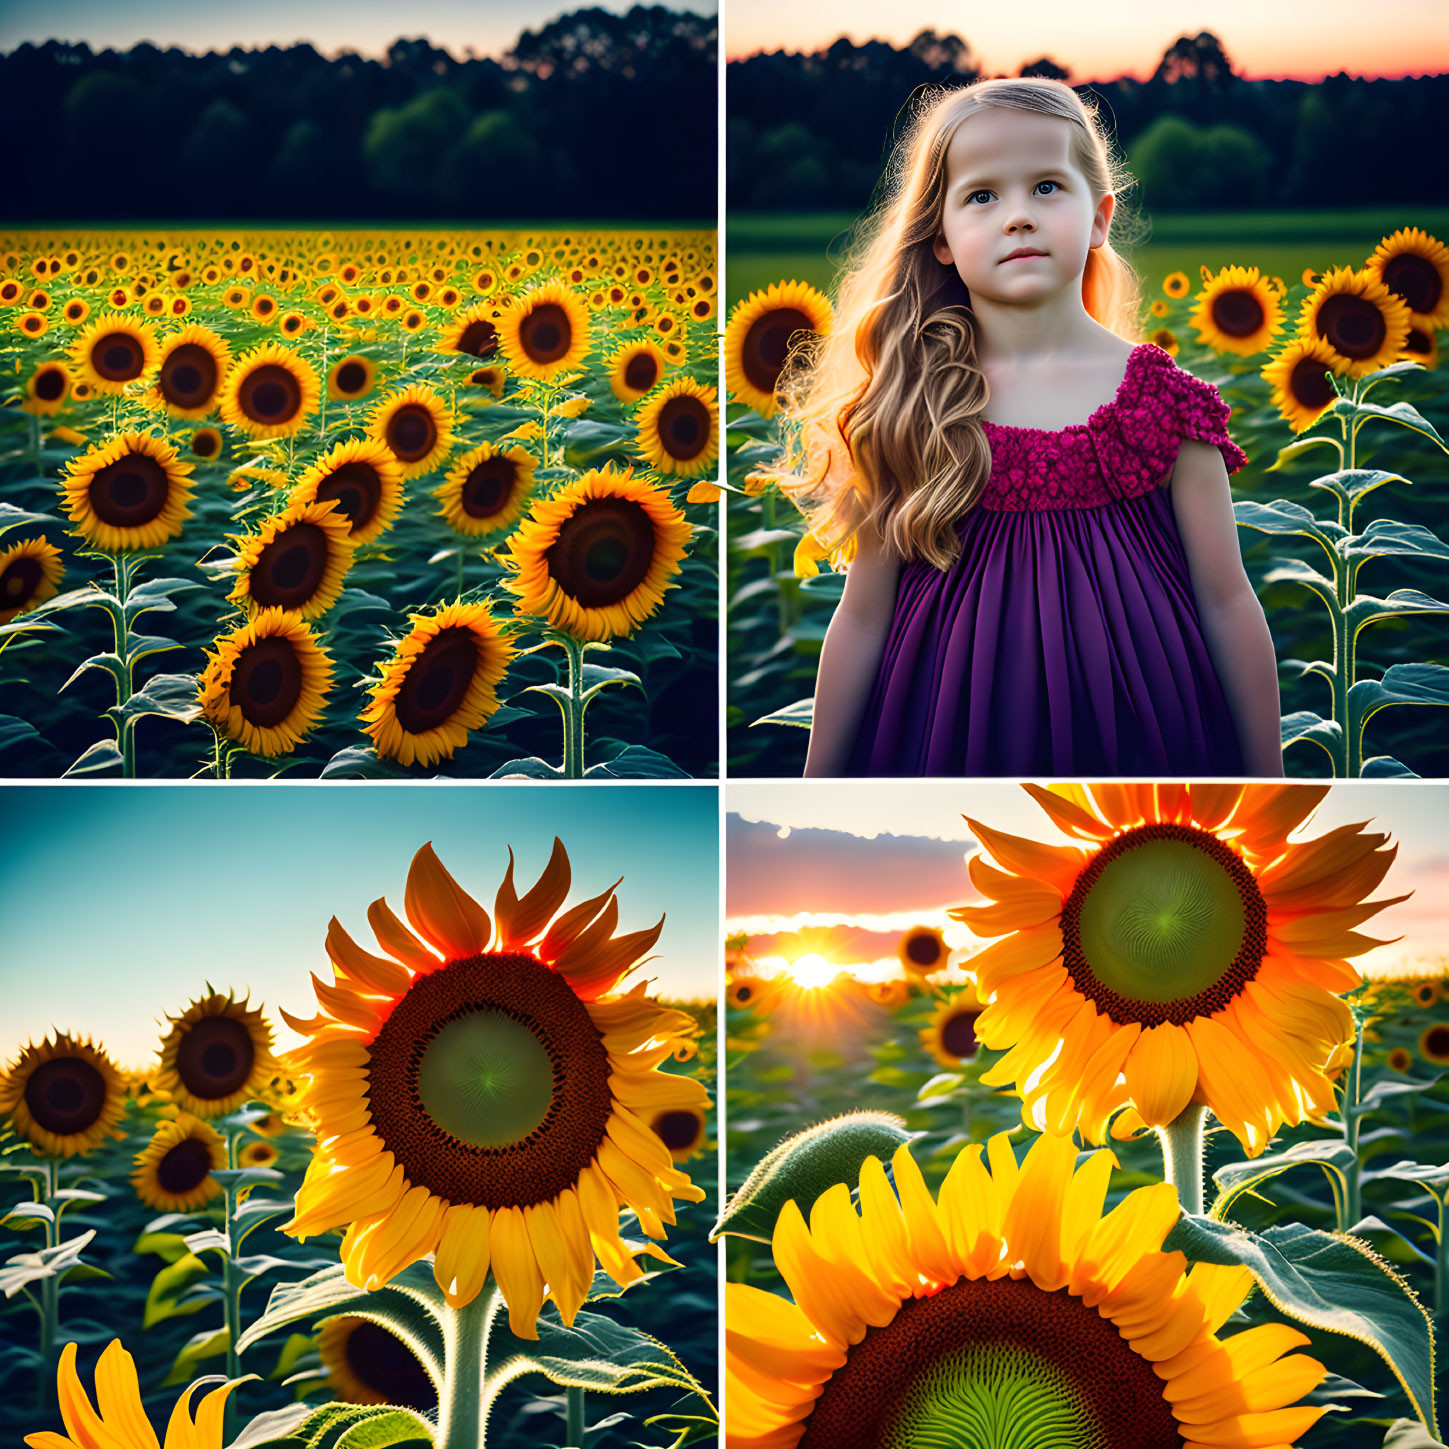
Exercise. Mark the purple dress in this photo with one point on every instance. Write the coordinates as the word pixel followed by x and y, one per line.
pixel 1065 638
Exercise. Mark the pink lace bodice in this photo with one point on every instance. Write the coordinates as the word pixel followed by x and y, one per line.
pixel 1126 448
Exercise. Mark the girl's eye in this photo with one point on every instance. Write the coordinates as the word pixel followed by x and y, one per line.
pixel 975 194
pixel 1054 185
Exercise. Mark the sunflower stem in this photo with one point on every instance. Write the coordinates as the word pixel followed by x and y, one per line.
pixel 125 678
pixel 463 1406
pixel 1182 1143
pixel 1352 1091
pixel 574 1436
pixel 231 1282
pixel 573 761
pixel 49 1291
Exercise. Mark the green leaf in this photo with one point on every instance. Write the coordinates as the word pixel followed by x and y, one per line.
pixel 275 1428
pixel 1333 1155
pixel 1399 412
pixel 801 714
pixel 13 517
pixel 1283 517
pixel 359 762
pixel 763 539
pixel 1383 1092
pixel 1410 1434
pixel 599 676
pixel 336 1426
pixel 1386 767
pixel 1296 449
pixel 1401 684
pixel 1331 1282
pixel 23 1269
pixel 167 1295
pixel 824 585
pixel 1303 724
pixel 805 1165
pixel 103 755
pixel 13 730
pixel 637 762
pixel 530 769
pixel 1365 608
pixel 1427 1175
pixel 200 1346
pixel 156 595
pixel 1387 537
pixel 1354 484
pixel 172 695
pixel 1394 369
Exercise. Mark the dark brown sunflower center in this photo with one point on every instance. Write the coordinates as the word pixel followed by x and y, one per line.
pixel 437 681
pixel 744 994
pixel 386 1365
pixel 993 1363
pixel 684 427
pixel 290 569
pixel 1436 1044
pixel 184 1168
pixel 1308 383
pixel 216 1056
pixel 641 372
pixel 50 384
pixel 188 376
pixel 1416 279
pixel 1239 314
pixel 19 582
pixel 411 432
pixel 65 1095
pixel 266 682
pixel 924 948
pixel 1165 923
pixel 351 378
pixel 486 1069
pixel 479 337
pixel 958 1034
pixel 270 395
pixel 677 1130
pixel 206 444
pixel 487 489
pixel 1351 325
pixel 118 357
pixel 1418 343
pixel 130 492
pixel 603 551
pixel 767 343
pixel 546 333
pixel 357 489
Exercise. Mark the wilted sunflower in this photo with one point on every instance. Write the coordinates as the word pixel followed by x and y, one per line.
pixel 46 389
pixel 1188 952
pixel 121 1422
pixel 193 366
pixel 472 332
pixel 296 561
pixel 127 494
pixel 351 378
pixel 441 682
pixel 365 480
pixel 1010 1301
pixel 596 558
pixel 486 490
pixel 636 368
pixel 65 1096
pixel 1358 317
pixel 1414 266
pixel 114 351
pixel 173 1171
pixel 923 951
pixel 1299 379
pixel 680 1129
pixel 480 1093
pixel 269 391
pixel 951 1036
pixel 367 1364
pixel 30 573
pixel 266 684
pixel 416 425
pixel 216 1055
pixel 546 333
pixel 679 428
pixel 757 339
pixel 1238 311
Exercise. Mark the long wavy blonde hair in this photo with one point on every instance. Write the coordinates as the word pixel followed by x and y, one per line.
pixel 882 414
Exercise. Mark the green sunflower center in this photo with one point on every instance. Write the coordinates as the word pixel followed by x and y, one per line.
pixel 486 1080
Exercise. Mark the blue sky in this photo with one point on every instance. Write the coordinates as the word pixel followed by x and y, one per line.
pixel 120 902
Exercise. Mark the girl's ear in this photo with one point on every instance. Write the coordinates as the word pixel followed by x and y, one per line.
pixel 1102 221
pixel 942 251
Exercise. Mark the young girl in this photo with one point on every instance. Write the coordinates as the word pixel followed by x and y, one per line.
pixel 1045 577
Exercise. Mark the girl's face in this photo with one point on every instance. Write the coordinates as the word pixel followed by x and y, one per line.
pixel 1012 187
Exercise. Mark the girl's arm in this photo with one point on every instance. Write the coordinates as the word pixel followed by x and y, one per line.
pixel 1232 618
pixel 851 653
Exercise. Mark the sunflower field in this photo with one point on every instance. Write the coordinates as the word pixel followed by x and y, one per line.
pixel 472 1206
pixel 358 504
pixel 914 1246
pixel 1338 400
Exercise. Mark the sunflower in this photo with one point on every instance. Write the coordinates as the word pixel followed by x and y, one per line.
pixel 416 425
pixel 1400 1059
pixel 193 363
pixel 366 1364
pixel 487 489
pixel 30 573
pixel 296 561
pixel 32 324
pixel 747 992
pixel 1363 322
pixel 351 378
pixel 679 428
pixel 546 333
pixel 493 378
pixel 1166 339
pixel 1434 1044
pixel 266 684
pixel 1299 379
pixel 127 494
pixel 480 1093
pixel 65 1095
pixel 1425 993
pixel 923 951
pixel 216 1055
pixel 46 389
pixel 890 994
pixel 365 480
pixel 257 1154
pixel 951 1036
pixel 1187 953
pixel 269 392
pixel 206 443
pixel 173 1171
pixel 441 682
pixel 636 368
pixel 472 332
pixel 121 1422
pixel 757 339
pixel 1008 1300
pixel 1238 311
pixel 680 1129
pixel 1414 266
pixel 1421 347
pixel 114 351
pixel 1176 284
pixel 596 558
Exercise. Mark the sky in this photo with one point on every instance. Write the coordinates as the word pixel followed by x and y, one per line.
pixel 1305 39
pixel 365 26
pixel 126 900
pixel 870 861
